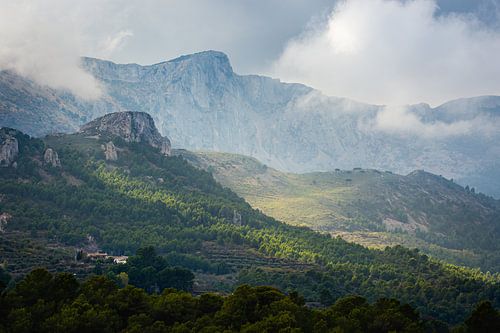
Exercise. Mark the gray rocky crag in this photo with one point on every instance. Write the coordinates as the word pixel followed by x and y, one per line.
pixel 110 151
pixel 50 157
pixel 131 127
pixel 4 219
pixel 9 147
pixel 237 218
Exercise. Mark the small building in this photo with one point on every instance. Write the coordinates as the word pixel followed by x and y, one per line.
pixel 119 259
pixel 97 255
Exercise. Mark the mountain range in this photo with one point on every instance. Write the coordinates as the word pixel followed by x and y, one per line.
pixel 200 103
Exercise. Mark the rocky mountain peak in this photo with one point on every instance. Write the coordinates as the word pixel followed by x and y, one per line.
pixel 131 127
pixel 207 64
pixel 206 59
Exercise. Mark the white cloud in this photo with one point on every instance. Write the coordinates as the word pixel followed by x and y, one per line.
pixel 41 42
pixel 394 52
pixel 401 120
pixel 44 40
pixel 114 42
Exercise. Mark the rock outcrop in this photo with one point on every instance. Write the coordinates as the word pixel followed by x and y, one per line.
pixel 51 158
pixel 131 127
pixel 236 218
pixel 110 151
pixel 4 219
pixel 9 147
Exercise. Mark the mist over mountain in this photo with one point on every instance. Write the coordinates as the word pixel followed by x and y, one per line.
pixel 201 104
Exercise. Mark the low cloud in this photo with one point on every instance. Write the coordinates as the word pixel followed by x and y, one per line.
pixel 115 42
pixel 401 120
pixel 395 52
pixel 43 41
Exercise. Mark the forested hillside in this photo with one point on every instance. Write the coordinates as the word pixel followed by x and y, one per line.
pixel 79 195
pixel 371 207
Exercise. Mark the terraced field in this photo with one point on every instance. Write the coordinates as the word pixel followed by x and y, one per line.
pixel 22 251
pixel 237 258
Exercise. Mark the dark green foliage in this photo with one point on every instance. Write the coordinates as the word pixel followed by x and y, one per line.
pixel 396 272
pixel 484 319
pixel 4 279
pixel 98 305
pixel 196 263
pixel 151 272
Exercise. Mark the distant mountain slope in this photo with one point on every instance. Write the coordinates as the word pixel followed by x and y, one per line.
pixel 201 104
pixel 117 190
pixel 372 207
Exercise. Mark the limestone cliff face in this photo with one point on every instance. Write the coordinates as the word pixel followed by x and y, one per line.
pixel 131 127
pixel 9 147
pixel 201 104
pixel 51 158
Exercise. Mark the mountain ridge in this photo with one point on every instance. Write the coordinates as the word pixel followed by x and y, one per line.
pixel 201 104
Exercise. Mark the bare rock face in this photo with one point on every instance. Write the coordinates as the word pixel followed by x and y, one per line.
pixel 9 147
pixel 236 217
pixel 131 127
pixel 110 151
pixel 166 148
pixel 50 157
pixel 4 219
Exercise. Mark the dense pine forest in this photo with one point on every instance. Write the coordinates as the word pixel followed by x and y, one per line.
pixel 146 199
pixel 45 302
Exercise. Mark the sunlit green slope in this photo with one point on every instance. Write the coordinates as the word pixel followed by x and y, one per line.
pixel 371 207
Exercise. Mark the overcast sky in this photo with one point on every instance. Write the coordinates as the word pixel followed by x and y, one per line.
pixel 337 49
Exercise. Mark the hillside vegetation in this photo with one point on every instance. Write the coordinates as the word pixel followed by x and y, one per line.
pixel 144 198
pixel 371 207
pixel 44 302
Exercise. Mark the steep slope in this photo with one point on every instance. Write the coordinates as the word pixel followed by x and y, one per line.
pixel 200 103
pixel 146 198
pixel 372 207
